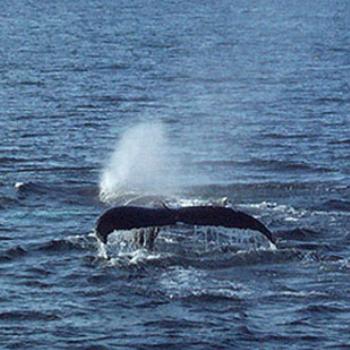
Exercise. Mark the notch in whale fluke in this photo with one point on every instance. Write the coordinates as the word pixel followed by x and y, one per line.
pixel 131 217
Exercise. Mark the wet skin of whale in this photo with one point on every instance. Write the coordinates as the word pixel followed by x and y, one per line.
pixel 132 217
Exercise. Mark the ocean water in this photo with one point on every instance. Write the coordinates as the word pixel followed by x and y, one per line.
pixel 109 102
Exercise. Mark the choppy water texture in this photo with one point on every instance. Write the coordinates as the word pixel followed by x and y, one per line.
pixel 254 98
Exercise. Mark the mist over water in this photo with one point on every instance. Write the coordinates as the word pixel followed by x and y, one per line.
pixel 140 164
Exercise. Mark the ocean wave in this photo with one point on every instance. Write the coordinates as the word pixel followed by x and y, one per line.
pixel 11 160
pixel 28 315
pixel 116 99
pixel 12 253
pixel 5 238
pixel 7 201
pixel 211 296
pixel 289 186
pixel 43 169
pixel 284 165
pixel 340 142
pixel 281 136
pixel 37 284
pixel 324 309
pixel 58 246
pixel 69 191
pixel 297 234
pixel 23 187
pixel 79 242
pixel 334 205
pixel 165 323
pixel 268 164
pixel 291 294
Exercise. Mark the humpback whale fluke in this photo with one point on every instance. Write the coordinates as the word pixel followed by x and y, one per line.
pixel 130 217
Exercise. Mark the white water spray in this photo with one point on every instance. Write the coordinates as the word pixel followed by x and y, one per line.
pixel 139 165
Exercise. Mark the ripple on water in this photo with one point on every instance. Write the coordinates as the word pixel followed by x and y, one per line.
pixel 28 315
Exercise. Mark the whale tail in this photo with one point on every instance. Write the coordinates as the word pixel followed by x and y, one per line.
pixel 129 217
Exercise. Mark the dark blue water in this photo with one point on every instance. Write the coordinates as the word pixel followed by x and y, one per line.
pixel 255 101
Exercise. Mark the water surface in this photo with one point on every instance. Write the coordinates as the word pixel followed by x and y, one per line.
pixel 255 103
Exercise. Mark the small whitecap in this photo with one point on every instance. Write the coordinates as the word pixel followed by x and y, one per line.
pixel 19 185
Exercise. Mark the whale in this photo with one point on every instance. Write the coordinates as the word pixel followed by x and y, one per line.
pixel 134 217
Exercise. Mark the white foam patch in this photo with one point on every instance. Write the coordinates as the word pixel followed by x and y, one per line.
pixel 302 294
pixel 19 185
pixel 180 282
pixel 134 257
pixel 186 202
pixel 141 255
pixel 101 250
pixel 290 213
